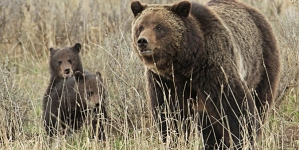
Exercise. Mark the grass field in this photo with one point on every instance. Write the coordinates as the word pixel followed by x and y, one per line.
pixel 28 28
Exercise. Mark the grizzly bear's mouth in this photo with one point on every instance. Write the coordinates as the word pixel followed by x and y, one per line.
pixel 145 51
pixel 67 75
pixel 96 110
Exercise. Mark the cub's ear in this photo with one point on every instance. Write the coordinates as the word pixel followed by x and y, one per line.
pixel 98 74
pixel 79 75
pixel 99 77
pixel 137 7
pixel 182 8
pixel 77 47
pixel 52 51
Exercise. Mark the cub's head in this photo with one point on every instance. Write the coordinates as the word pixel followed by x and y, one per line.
pixel 90 89
pixel 158 31
pixel 64 62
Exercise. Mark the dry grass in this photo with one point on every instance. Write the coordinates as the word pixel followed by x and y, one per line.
pixel 29 27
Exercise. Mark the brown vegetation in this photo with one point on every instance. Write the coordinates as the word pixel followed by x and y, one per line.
pixel 28 28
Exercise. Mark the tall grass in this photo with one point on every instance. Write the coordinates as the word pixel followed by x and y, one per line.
pixel 28 28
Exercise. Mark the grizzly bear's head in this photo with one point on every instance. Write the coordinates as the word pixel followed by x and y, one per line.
pixel 89 89
pixel 64 62
pixel 159 32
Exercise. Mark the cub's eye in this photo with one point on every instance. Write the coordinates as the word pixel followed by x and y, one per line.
pixel 70 61
pixel 59 62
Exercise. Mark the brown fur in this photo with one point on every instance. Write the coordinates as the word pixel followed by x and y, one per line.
pixel 72 101
pixel 221 57
pixel 63 63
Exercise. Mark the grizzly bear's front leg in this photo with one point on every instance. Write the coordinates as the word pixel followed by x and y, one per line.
pixel 50 116
pixel 170 103
pixel 165 104
pixel 156 95
pixel 98 124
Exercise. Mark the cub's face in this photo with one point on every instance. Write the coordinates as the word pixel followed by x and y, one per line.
pixel 157 32
pixel 65 61
pixel 91 90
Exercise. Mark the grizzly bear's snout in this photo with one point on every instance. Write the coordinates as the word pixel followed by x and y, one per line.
pixel 143 46
pixel 93 102
pixel 97 105
pixel 67 73
pixel 96 109
pixel 142 43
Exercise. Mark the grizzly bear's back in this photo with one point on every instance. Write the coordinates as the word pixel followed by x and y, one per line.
pixel 256 47
pixel 235 30
pixel 248 40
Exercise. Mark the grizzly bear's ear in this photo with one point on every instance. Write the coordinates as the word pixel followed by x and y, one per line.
pixel 78 75
pixel 137 7
pixel 77 47
pixel 182 8
pixel 52 51
pixel 98 74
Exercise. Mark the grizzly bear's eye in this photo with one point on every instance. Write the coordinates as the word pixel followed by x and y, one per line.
pixel 158 28
pixel 140 28
pixel 59 62
pixel 70 61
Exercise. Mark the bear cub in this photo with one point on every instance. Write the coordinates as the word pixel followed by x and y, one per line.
pixel 64 62
pixel 78 100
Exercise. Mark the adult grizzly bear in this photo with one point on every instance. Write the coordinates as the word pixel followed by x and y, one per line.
pixel 73 102
pixel 219 61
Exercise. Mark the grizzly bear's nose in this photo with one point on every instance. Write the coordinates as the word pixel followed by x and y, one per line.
pixel 67 71
pixel 96 108
pixel 142 42
pixel 97 105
